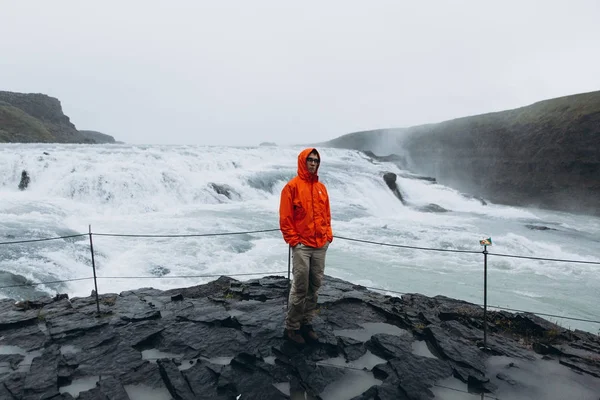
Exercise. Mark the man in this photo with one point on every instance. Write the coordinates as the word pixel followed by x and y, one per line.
pixel 305 222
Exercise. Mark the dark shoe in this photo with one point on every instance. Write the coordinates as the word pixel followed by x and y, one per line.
pixel 309 333
pixel 294 336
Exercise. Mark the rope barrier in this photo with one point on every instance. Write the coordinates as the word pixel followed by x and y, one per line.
pixel 142 277
pixel 407 247
pixel 45 239
pixel 278 272
pixel 465 251
pixel 186 235
pixel 545 259
pixel 335 236
pixel 44 283
pixel 189 276
pixel 545 315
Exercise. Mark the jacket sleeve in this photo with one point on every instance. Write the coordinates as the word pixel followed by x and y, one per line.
pixel 328 216
pixel 286 217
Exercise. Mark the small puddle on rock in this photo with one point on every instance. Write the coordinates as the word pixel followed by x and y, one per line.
pixel 24 365
pixel 270 360
pixel 154 354
pixel 69 349
pixel 80 385
pixel 367 361
pixel 283 387
pixel 218 360
pixel 520 379
pixel 452 389
pixel 12 350
pixel 235 313
pixel 187 364
pixel 301 396
pixel 419 348
pixel 357 376
pixel 370 329
pixel 352 384
pixel 143 392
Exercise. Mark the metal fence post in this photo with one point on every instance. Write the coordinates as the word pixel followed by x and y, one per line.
pixel 94 268
pixel 485 254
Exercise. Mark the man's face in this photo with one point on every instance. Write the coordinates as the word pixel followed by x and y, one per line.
pixel 312 163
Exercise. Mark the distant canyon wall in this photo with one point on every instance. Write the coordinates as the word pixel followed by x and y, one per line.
pixel 545 155
pixel 36 117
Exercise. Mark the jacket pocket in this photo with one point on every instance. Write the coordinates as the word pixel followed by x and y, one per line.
pixel 299 211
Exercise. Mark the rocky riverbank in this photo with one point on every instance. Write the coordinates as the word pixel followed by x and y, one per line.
pixel 223 340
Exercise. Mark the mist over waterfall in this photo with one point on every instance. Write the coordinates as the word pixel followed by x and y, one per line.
pixel 170 190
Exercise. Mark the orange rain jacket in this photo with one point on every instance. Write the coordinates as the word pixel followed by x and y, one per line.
pixel 304 214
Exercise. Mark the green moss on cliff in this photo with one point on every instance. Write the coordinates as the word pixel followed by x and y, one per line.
pixel 18 126
pixel 36 117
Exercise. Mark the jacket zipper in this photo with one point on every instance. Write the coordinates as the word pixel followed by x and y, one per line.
pixel 312 194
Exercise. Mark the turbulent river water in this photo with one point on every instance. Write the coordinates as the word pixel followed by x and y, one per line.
pixel 183 190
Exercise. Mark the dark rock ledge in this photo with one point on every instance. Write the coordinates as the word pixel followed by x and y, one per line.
pixel 223 340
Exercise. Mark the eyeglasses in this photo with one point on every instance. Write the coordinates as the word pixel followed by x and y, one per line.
pixel 313 160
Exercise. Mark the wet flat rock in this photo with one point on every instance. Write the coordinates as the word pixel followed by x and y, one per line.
pixel 223 340
pixel 12 316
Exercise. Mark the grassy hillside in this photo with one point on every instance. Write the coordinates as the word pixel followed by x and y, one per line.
pixel 97 137
pixel 546 154
pixel 18 126
pixel 36 117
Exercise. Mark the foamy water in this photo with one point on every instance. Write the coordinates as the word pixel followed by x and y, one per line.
pixel 171 190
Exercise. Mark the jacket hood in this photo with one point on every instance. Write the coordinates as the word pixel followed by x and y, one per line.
pixel 302 169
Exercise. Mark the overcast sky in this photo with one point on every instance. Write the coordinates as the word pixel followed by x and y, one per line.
pixel 244 72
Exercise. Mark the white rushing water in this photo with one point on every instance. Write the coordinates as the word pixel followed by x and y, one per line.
pixel 129 189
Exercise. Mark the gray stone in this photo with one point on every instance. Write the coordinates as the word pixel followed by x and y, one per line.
pixel 456 349
pixel 112 389
pixel 14 317
pixel 176 383
pixel 42 380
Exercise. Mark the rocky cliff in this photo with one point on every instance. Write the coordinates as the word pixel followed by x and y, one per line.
pixel 36 117
pixel 546 154
pixel 97 137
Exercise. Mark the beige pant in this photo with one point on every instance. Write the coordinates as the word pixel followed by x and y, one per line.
pixel 308 271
